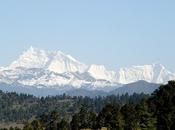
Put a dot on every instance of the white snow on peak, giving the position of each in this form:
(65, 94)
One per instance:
(100, 72)
(54, 61)
(32, 58)
(155, 73)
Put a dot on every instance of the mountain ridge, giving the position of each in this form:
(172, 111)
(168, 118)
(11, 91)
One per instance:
(44, 69)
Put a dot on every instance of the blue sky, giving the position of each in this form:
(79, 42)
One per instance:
(111, 32)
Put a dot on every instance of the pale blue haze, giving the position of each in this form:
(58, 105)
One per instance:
(115, 33)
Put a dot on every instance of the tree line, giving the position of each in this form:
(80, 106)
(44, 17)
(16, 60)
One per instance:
(22, 107)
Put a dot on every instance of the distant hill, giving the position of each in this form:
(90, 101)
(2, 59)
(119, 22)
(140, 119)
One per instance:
(136, 87)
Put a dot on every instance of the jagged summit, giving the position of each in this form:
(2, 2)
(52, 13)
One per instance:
(32, 58)
(155, 73)
(54, 61)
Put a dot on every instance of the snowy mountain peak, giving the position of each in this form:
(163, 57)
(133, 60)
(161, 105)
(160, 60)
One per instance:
(53, 61)
(32, 58)
(155, 73)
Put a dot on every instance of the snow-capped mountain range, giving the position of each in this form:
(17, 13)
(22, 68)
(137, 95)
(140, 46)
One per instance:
(43, 69)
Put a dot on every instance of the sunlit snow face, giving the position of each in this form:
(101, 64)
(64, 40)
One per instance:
(53, 61)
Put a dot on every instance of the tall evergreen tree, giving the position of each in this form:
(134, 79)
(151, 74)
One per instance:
(28, 126)
(110, 117)
(37, 125)
(75, 123)
(130, 116)
(63, 125)
(163, 104)
(146, 119)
